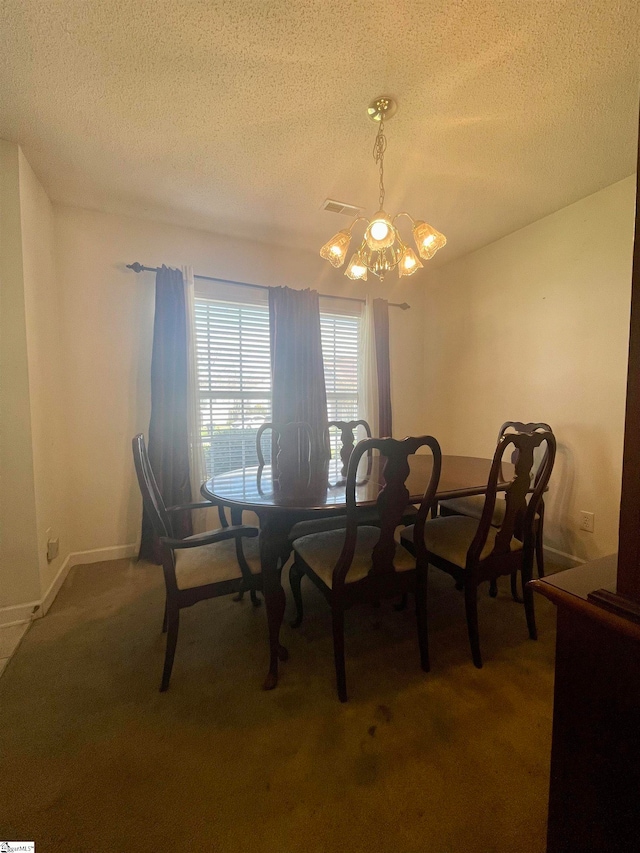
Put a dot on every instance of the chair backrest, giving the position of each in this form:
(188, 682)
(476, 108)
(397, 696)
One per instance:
(347, 439)
(519, 513)
(151, 497)
(519, 426)
(391, 503)
(292, 448)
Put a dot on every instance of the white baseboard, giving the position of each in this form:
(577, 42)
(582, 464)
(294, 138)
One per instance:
(18, 614)
(54, 588)
(100, 555)
(563, 559)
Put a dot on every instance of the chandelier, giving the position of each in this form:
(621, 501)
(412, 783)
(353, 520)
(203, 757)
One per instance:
(382, 248)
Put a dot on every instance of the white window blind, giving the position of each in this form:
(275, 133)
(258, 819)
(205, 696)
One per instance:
(340, 356)
(234, 377)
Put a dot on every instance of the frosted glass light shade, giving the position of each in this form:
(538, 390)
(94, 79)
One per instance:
(408, 263)
(356, 269)
(335, 251)
(380, 234)
(428, 240)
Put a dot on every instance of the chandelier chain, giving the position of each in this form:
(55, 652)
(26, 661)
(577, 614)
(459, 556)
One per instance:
(379, 147)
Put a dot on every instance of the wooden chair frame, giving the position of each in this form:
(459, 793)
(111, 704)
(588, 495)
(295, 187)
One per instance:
(284, 459)
(347, 439)
(518, 522)
(519, 426)
(383, 580)
(160, 517)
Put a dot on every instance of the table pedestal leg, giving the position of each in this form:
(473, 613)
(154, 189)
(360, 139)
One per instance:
(273, 546)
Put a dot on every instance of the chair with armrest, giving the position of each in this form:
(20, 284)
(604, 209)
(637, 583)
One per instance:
(363, 562)
(196, 567)
(472, 506)
(236, 519)
(473, 551)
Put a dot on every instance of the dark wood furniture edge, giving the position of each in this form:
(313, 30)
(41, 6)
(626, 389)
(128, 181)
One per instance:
(595, 605)
(624, 607)
(628, 581)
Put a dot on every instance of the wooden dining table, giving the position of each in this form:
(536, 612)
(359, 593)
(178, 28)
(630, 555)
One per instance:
(281, 505)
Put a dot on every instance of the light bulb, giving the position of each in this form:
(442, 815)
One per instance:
(356, 269)
(380, 234)
(335, 251)
(409, 263)
(379, 230)
(428, 240)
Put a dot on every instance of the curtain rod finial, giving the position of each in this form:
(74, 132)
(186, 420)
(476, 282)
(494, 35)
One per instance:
(404, 306)
(136, 267)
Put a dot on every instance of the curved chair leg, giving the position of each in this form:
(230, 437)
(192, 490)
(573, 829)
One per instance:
(471, 607)
(527, 594)
(295, 579)
(173, 622)
(540, 546)
(493, 588)
(337, 614)
(514, 588)
(421, 619)
(247, 577)
(164, 618)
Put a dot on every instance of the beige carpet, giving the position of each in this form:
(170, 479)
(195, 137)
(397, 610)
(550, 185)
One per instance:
(94, 758)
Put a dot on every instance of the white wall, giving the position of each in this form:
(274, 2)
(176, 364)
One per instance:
(535, 327)
(47, 395)
(25, 264)
(19, 568)
(108, 323)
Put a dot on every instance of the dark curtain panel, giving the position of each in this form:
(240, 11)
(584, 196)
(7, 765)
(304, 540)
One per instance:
(297, 370)
(381, 325)
(168, 433)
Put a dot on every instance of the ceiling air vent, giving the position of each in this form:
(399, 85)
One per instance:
(334, 206)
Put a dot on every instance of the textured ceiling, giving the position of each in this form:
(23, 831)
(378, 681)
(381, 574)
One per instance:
(242, 116)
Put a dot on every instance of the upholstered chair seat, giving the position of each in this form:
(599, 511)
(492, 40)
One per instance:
(450, 536)
(214, 563)
(320, 552)
(472, 506)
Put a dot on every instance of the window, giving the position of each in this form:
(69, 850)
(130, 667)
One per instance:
(234, 376)
(340, 356)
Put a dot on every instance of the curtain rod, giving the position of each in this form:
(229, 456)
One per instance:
(136, 267)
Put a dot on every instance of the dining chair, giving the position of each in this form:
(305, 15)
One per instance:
(347, 439)
(362, 562)
(196, 567)
(245, 568)
(473, 551)
(292, 448)
(472, 505)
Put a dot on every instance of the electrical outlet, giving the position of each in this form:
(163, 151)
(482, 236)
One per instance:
(586, 521)
(53, 545)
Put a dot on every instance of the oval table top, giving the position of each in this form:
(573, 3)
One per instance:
(253, 489)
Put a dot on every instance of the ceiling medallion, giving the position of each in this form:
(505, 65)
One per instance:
(382, 248)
